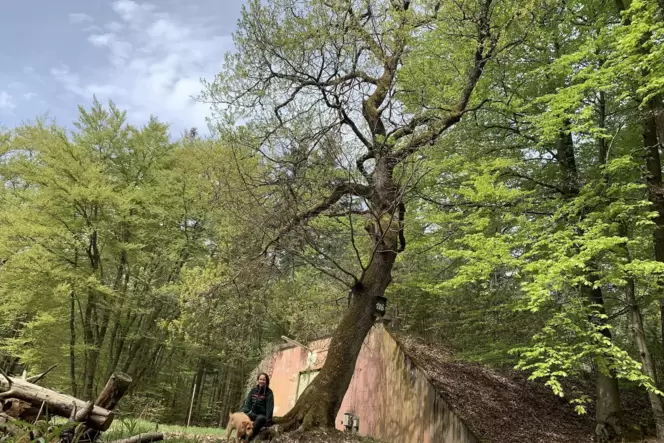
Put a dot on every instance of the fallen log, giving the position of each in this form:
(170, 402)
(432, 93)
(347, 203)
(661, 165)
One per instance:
(6, 418)
(6, 422)
(142, 438)
(82, 414)
(57, 403)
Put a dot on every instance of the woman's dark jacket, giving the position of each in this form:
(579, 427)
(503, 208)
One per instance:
(259, 402)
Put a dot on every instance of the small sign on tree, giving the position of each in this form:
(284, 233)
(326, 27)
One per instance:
(380, 307)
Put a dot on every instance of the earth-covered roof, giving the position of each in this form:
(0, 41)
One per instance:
(498, 408)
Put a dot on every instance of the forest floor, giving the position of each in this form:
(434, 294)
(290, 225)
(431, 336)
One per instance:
(323, 436)
(193, 434)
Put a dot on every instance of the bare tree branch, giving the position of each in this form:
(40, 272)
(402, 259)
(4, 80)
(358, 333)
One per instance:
(341, 190)
(312, 245)
(533, 180)
(36, 378)
(360, 164)
(319, 268)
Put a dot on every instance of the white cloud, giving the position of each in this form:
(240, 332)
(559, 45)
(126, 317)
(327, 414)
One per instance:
(114, 26)
(155, 63)
(69, 80)
(101, 39)
(133, 12)
(79, 17)
(6, 102)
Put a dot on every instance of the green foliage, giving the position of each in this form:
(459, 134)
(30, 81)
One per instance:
(121, 249)
(124, 251)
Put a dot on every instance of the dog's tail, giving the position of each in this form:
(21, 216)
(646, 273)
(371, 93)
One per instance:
(230, 412)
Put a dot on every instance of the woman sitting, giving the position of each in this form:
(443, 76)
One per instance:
(260, 404)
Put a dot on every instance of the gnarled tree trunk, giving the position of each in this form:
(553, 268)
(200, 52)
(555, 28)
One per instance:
(321, 400)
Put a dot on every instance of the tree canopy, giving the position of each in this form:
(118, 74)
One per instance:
(492, 167)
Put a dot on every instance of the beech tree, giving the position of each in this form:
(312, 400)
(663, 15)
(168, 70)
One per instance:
(105, 231)
(383, 80)
(551, 199)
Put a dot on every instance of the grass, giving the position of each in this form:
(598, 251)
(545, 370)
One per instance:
(122, 428)
(130, 426)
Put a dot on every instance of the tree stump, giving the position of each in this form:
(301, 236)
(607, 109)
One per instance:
(116, 387)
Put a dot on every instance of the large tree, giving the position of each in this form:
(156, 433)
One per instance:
(319, 82)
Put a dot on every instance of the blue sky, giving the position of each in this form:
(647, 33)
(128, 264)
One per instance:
(148, 57)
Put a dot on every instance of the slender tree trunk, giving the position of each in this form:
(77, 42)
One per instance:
(88, 341)
(94, 351)
(214, 397)
(653, 131)
(136, 345)
(192, 393)
(92, 361)
(145, 327)
(72, 344)
(115, 344)
(636, 320)
(123, 330)
(200, 389)
(114, 351)
(122, 286)
(608, 408)
(9, 364)
(94, 325)
(224, 403)
(176, 393)
(651, 145)
(149, 365)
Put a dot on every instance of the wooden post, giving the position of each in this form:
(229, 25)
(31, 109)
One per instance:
(191, 405)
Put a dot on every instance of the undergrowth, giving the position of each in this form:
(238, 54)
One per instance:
(43, 432)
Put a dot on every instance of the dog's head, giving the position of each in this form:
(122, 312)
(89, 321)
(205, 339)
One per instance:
(247, 427)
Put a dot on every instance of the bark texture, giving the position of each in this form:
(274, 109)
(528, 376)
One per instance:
(320, 402)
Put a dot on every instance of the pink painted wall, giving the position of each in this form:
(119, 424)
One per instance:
(393, 399)
(285, 368)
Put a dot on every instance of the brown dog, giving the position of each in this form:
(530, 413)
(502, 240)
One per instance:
(241, 424)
